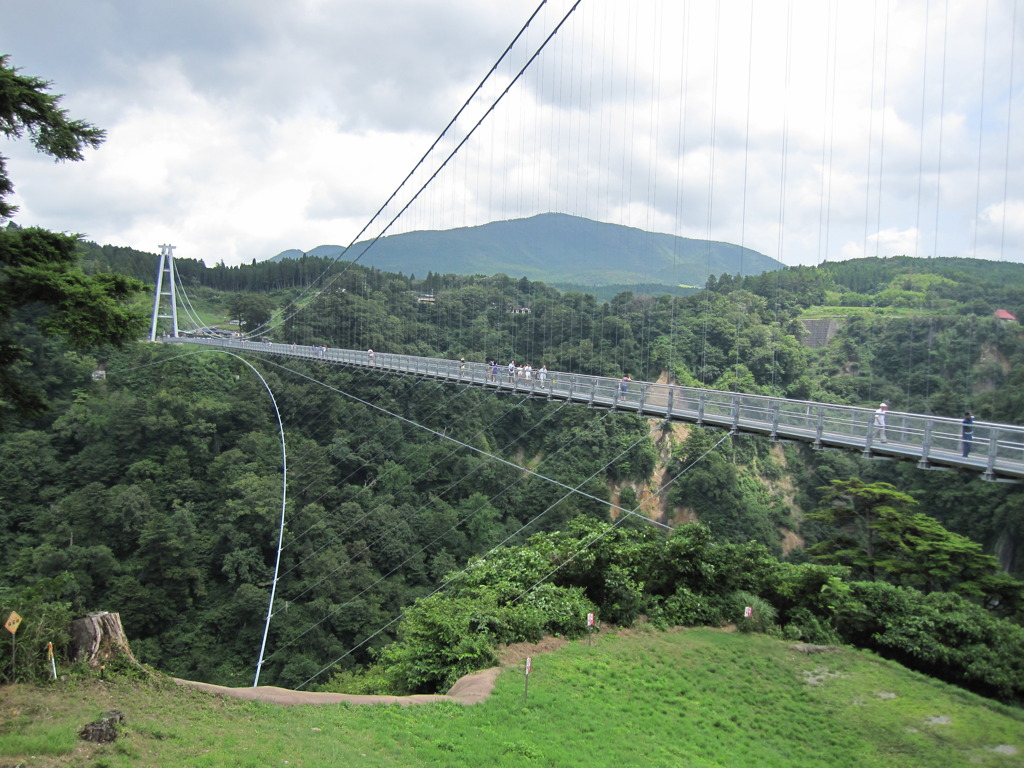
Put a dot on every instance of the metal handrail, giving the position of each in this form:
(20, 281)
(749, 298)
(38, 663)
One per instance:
(997, 450)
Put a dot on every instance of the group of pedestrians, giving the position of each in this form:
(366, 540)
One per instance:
(518, 372)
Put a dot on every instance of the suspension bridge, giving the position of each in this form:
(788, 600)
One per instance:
(646, 117)
(934, 442)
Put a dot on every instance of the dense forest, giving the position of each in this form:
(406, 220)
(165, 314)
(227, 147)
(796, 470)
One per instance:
(156, 490)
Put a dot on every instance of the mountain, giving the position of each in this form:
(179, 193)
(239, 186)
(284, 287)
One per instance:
(559, 249)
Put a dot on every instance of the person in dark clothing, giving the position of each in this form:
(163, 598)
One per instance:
(967, 433)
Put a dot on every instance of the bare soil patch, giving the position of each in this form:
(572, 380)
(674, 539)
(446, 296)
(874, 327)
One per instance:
(470, 689)
(511, 655)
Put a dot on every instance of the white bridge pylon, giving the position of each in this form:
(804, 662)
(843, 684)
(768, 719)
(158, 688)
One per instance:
(166, 267)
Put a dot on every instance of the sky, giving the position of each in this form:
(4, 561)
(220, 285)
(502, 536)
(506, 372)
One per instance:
(808, 130)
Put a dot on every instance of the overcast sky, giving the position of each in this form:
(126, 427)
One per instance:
(804, 129)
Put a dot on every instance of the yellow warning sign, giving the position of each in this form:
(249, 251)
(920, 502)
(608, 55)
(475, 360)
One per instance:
(13, 622)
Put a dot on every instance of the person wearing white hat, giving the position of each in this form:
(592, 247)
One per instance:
(880, 421)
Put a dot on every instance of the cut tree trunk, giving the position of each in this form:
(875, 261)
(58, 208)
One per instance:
(98, 639)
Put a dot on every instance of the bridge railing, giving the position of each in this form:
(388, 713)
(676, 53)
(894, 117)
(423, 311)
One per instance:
(996, 449)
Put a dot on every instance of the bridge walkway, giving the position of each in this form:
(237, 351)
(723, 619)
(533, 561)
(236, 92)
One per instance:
(934, 442)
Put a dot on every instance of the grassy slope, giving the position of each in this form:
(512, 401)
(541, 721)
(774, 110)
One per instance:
(687, 698)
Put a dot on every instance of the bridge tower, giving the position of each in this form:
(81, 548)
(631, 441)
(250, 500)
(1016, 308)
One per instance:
(166, 266)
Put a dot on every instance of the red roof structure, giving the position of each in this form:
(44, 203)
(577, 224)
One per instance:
(1002, 314)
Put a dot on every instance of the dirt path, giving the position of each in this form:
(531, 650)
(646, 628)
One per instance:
(470, 689)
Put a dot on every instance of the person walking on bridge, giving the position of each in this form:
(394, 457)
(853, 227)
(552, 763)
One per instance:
(624, 386)
(880, 421)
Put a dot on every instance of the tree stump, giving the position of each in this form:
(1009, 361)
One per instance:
(99, 638)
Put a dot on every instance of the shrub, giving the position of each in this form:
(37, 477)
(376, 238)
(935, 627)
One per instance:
(762, 613)
(808, 628)
(45, 619)
(685, 608)
(940, 634)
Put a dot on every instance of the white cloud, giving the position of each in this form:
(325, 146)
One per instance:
(239, 129)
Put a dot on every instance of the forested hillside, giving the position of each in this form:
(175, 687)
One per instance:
(557, 249)
(155, 492)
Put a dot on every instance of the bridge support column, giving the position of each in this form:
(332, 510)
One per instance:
(993, 449)
(926, 447)
(166, 266)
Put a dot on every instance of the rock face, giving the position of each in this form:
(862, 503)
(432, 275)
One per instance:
(98, 638)
(104, 730)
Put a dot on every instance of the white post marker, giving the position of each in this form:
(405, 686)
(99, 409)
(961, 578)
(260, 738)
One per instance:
(526, 677)
(590, 629)
(53, 664)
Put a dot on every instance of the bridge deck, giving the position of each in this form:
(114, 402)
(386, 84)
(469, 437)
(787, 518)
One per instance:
(997, 450)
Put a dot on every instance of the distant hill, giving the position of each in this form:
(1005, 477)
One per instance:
(558, 249)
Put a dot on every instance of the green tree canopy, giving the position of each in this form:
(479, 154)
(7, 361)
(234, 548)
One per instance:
(41, 284)
(880, 533)
(854, 507)
(42, 288)
(26, 107)
(251, 310)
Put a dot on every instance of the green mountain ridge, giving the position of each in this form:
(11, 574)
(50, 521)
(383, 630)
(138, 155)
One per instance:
(554, 248)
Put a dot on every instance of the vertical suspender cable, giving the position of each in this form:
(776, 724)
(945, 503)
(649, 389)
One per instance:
(881, 147)
(706, 309)
(871, 128)
(981, 133)
(942, 122)
(782, 189)
(1009, 122)
(920, 150)
(827, 122)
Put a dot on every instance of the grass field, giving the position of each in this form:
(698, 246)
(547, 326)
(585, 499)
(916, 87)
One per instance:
(697, 697)
(817, 312)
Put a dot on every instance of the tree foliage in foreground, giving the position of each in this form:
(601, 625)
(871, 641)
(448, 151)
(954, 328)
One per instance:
(43, 290)
(688, 578)
(41, 282)
(26, 107)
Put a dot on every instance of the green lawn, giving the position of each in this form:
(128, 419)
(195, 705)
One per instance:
(687, 698)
